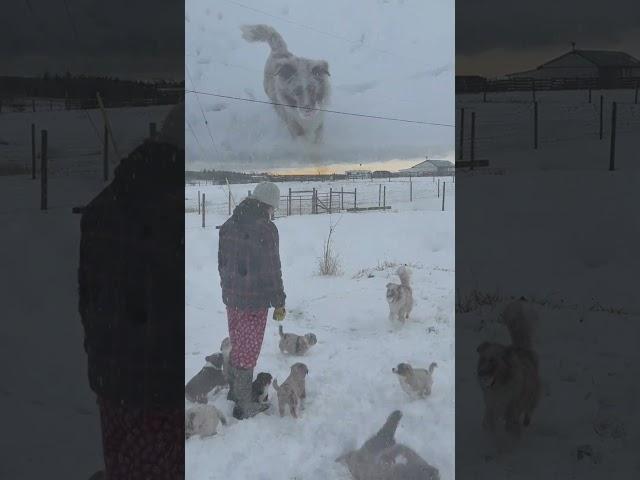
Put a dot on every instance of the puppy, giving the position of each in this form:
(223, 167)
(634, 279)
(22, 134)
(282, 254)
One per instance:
(202, 420)
(292, 391)
(225, 349)
(295, 344)
(260, 388)
(377, 458)
(416, 382)
(298, 87)
(208, 378)
(508, 374)
(400, 297)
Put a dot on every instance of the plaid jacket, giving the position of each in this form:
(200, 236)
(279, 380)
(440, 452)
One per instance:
(249, 259)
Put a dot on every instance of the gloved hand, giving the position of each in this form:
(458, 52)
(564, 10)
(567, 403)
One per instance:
(279, 314)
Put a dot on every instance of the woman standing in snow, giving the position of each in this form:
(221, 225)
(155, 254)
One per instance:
(131, 302)
(251, 281)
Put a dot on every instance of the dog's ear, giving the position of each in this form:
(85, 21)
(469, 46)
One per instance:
(482, 347)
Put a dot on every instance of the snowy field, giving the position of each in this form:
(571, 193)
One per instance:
(563, 231)
(390, 58)
(351, 388)
(51, 424)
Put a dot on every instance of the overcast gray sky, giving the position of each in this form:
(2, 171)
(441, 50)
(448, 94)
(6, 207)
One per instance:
(134, 39)
(495, 37)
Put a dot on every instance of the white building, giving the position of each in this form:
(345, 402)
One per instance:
(430, 167)
(358, 174)
(606, 66)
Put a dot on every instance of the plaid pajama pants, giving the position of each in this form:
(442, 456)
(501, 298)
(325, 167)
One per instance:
(141, 445)
(246, 332)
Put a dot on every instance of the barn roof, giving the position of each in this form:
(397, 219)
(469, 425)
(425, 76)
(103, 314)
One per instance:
(423, 164)
(603, 58)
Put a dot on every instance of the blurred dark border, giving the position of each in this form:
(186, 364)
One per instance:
(64, 64)
(547, 128)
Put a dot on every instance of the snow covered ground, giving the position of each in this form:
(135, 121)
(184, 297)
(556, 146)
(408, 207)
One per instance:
(561, 229)
(50, 418)
(351, 388)
(389, 58)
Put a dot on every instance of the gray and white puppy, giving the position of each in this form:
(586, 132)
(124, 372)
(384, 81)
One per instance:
(416, 382)
(295, 344)
(202, 420)
(292, 392)
(508, 374)
(208, 378)
(400, 296)
(297, 86)
(377, 459)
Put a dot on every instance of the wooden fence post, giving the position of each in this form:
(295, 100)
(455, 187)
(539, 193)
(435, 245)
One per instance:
(105, 154)
(33, 151)
(384, 196)
(43, 171)
(461, 155)
(342, 198)
(601, 114)
(379, 194)
(199, 202)
(203, 209)
(152, 130)
(444, 189)
(473, 138)
(612, 155)
(289, 203)
(438, 188)
(330, 198)
(410, 189)
(535, 125)
(355, 198)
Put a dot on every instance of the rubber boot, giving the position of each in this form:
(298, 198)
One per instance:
(245, 407)
(230, 375)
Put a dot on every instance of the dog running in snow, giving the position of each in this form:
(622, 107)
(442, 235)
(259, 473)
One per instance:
(508, 374)
(295, 344)
(400, 296)
(416, 382)
(260, 388)
(298, 87)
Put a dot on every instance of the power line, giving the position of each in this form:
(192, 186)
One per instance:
(377, 117)
(201, 110)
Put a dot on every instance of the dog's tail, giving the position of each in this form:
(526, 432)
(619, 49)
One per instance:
(265, 33)
(280, 331)
(520, 320)
(385, 436)
(405, 275)
(432, 367)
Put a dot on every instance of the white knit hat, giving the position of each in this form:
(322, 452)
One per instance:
(267, 192)
(172, 131)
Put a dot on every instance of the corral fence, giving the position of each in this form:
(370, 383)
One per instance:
(475, 84)
(9, 105)
(484, 127)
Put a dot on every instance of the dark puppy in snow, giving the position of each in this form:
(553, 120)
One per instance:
(260, 388)
(295, 344)
(208, 378)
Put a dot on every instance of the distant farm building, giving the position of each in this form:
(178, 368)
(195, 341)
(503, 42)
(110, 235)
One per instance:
(358, 174)
(607, 67)
(430, 167)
